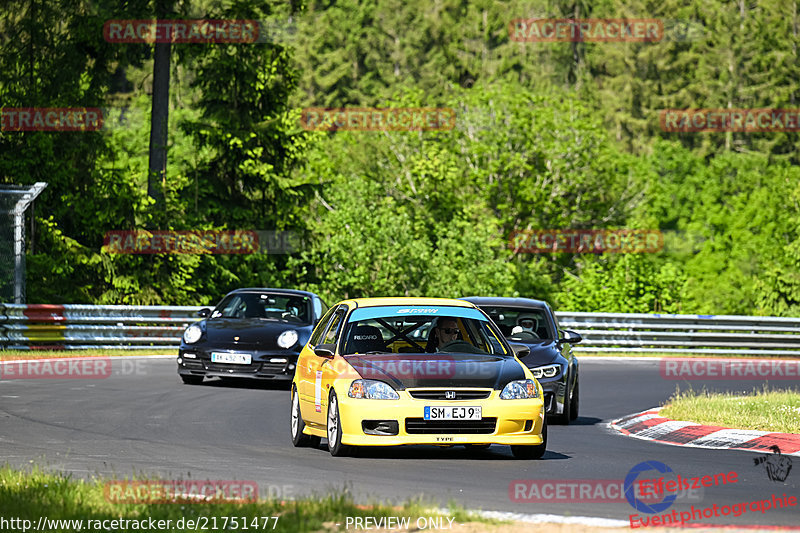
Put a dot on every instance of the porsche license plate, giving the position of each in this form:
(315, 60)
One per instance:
(231, 358)
(452, 413)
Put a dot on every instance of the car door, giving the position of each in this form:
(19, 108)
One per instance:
(316, 395)
(305, 381)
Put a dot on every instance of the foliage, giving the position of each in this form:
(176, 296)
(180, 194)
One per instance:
(548, 135)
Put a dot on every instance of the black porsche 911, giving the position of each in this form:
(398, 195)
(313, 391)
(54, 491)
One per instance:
(533, 323)
(251, 333)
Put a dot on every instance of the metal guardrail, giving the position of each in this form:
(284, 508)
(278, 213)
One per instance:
(68, 327)
(76, 327)
(713, 334)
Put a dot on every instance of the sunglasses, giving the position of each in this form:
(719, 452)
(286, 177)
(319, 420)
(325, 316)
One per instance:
(450, 331)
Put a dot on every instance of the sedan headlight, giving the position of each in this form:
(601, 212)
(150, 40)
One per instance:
(372, 390)
(546, 371)
(520, 390)
(287, 339)
(192, 334)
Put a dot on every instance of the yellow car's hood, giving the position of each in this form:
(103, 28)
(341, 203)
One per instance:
(454, 370)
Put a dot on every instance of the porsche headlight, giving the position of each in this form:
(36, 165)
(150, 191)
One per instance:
(192, 334)
(287, 339)
(520, 390)
(546, 371)
(372, 390)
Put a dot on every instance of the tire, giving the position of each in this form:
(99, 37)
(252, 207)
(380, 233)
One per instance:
(334, 429)
(575, 403)
(297, 425)
(566, 415)
(532, 452)
(191, 380)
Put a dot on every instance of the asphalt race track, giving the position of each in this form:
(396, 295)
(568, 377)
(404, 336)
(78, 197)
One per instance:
(143, 420)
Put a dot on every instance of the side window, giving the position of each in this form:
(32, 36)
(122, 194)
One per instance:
(323, 323)
(333, 330)
(318, 307)
(555, 319)
(234, 308)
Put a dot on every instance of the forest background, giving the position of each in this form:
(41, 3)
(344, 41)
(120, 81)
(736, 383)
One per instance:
(548, 135)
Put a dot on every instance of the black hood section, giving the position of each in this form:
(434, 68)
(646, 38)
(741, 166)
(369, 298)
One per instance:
(542, 352)
(453, 370)
(252, 332)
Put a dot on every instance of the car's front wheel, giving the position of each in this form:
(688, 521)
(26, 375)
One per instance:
(532, 452)
(298, 425)
(191, 380)
(566, 414)
(335, 445)
(575, 402)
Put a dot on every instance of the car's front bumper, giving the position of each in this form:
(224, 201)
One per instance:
(554, 396)
(518, 422)
(268, 365)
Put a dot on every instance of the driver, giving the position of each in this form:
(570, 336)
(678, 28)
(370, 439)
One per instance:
(445, 332)
(526, 323)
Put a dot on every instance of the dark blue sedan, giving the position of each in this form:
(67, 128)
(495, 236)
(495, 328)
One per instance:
(551, 359)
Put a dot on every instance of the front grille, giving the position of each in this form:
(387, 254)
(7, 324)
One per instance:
(440, 394)
(188, 363)
(420, 426)
(239, 369)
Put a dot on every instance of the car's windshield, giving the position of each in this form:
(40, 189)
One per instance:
(421, 329)
(521, 323)
(263, 305)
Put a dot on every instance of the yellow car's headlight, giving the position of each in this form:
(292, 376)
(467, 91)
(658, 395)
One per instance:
(372, 390)
(520, 390)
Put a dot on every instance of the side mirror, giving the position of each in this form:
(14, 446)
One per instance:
(204, 312)
(325, 350)
(571, 337)
(520, 350)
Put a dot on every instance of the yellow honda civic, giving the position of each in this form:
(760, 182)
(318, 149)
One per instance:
(394, 371)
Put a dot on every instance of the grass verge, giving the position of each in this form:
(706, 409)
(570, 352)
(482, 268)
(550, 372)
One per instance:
(764, 410)
(12, 355)
(34, 494)
(667, 355)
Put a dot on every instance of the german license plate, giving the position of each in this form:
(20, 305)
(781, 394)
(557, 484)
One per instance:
(451, 412)
(231, 358)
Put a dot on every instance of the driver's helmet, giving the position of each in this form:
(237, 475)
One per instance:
(527, 322)
(293, 308)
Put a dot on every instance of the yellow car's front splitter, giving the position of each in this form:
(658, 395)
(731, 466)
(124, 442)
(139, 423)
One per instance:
(518, 422)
